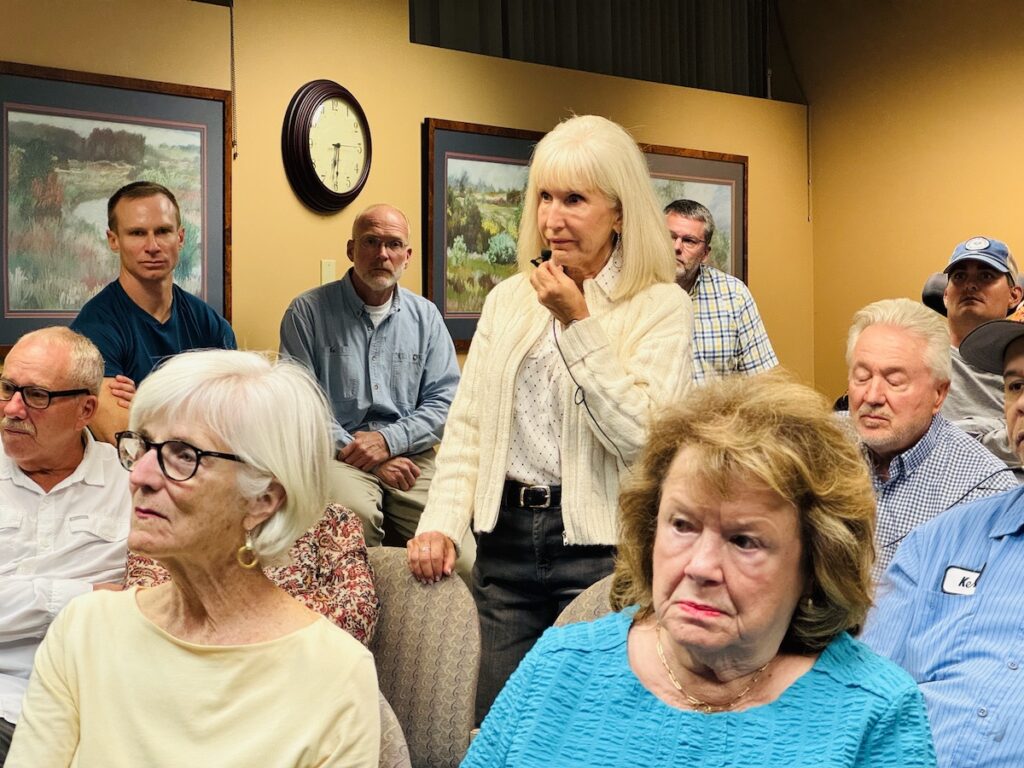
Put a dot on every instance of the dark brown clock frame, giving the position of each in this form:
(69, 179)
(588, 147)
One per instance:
(298, 164)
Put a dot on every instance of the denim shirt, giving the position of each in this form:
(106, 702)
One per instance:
(398, 379)
(949, 612)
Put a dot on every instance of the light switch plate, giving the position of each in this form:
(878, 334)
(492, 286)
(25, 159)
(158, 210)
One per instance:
(327, 267)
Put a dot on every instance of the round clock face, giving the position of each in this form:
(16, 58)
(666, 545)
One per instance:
(325, 146)
(337, 144)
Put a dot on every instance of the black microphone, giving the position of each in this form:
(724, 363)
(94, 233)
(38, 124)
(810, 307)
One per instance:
(545, 255)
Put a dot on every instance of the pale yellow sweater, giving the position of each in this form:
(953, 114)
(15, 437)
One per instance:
(631, 358)
(110, 688)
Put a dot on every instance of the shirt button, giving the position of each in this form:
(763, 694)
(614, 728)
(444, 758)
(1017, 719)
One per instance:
(1012, 664)
(376, 386)
(982, 712)
(374, 357)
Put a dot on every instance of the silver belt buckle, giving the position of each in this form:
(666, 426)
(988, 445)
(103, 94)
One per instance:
(547, 496)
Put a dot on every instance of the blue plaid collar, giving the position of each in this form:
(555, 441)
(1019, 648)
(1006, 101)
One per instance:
(905, 464)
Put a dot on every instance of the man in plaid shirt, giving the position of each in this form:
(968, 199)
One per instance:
(921, 465)
(728, 335)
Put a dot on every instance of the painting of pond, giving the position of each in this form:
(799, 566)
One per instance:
(61, 169)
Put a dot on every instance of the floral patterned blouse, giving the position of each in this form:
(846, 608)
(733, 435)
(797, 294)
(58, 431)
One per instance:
(330, 573)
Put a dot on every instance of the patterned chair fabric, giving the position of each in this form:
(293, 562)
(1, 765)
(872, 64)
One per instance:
(427, 649)
(592, 603)
(394, 752)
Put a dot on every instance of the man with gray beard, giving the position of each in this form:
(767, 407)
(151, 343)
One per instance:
(64, 501)
(898, 358)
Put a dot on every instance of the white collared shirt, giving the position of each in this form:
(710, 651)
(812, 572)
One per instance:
(53, 547)
(534, 454)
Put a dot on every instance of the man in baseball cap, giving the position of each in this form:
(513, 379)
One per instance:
(981, 286)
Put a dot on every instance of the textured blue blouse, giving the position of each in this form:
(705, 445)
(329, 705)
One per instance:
(574, 701)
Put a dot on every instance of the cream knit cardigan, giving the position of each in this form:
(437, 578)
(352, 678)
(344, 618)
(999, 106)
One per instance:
(631, 358)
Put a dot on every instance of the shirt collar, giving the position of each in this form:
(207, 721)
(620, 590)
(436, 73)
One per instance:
(906, 463)
(1010, 521)
(695, 288)
(88, 471)
(609, 275)
(355, 304)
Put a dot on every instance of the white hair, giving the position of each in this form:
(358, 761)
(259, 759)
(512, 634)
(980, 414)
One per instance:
(273, 415)
(85, 363)
(592, 152)
(914, 318)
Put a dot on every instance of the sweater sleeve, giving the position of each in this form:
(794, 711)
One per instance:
(449, 507)
(358, 721)
(48, 730)
(901, 737)
(654, 367)
(491, 747)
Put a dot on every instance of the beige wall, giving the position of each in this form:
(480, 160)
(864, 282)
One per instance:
(364, 45)
(916, 116)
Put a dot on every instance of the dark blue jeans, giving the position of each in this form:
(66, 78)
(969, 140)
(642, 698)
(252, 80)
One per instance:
(523, 577)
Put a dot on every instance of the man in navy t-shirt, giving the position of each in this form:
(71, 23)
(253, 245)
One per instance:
(143, 317)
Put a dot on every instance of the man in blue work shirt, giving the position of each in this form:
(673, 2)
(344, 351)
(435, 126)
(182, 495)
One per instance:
(387, 363)
(949, 607)
(143, 317)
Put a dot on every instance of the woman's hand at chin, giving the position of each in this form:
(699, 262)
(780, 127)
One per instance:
(559, 293)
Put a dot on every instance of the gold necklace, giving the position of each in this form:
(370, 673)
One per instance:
(703, 706)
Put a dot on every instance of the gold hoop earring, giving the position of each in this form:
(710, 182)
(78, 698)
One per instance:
(246, 554)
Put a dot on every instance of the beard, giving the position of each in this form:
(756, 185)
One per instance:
(891, 439)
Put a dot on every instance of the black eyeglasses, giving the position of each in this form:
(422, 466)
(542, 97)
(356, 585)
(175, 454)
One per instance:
(35, 397)
(178, 460)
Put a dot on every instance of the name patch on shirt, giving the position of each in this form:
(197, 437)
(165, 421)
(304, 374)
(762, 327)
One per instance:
(960, 581)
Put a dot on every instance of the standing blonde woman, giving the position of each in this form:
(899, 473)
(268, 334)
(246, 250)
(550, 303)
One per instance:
(570, 361)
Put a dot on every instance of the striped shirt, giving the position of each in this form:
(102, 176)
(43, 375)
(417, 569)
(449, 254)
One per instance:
(949, 612)
(944, 468)
(728, 335)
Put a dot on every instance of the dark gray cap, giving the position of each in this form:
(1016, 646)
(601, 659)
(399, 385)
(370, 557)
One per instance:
(985, 346)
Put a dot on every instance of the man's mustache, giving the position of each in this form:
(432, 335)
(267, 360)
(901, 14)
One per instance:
(17, 425)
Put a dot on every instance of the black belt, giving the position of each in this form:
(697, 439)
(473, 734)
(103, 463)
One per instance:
(531, 496)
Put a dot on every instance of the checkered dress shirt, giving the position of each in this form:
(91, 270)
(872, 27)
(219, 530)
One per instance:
(728, 335)
(944, 468)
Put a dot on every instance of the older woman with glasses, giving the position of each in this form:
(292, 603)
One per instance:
(218, 666)
(571, 359)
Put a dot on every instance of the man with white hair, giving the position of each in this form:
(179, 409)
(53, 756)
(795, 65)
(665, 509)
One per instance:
(898, 357)
(949, 608)
(64, 501)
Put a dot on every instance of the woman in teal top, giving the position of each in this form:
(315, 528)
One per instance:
(745, 556)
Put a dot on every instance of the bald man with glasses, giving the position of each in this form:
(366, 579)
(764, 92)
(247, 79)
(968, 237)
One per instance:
(728, 335)
(64, 500)
(387, 363)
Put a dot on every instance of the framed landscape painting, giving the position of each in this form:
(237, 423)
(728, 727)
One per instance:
(716, 180)
(70, 140)
(475, 179)
(476, 176)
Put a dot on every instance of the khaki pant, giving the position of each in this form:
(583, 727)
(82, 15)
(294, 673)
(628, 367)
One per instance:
(389, 515)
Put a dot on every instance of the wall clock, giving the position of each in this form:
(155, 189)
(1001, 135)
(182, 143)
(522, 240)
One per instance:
(325, 144)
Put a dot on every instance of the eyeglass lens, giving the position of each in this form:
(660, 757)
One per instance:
(177, 460)
(34, 397)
